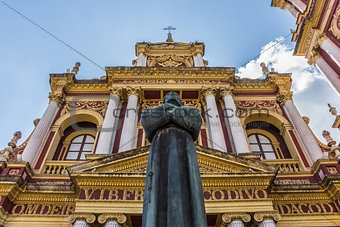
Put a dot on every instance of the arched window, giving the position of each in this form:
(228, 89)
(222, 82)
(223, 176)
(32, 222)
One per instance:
(79, 147)
(262, 144)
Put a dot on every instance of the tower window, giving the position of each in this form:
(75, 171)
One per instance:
(260, 143)
(79, 147)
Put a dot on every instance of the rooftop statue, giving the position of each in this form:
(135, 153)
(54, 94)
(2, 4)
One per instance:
(173, 190)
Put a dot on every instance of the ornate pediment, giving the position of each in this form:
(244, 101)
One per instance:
(211, 162)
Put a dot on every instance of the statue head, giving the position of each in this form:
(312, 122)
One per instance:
(173, 98)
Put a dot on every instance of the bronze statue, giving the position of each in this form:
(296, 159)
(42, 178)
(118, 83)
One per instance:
(173, 194)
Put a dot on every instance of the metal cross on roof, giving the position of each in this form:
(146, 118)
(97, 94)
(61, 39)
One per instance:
(169, 28)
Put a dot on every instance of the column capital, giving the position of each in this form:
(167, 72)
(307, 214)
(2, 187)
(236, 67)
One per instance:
(59, 98)
(133, 91)
(228, 217)
(259, 216)
(209, 91)
(283, 97)
(117, 91)
(88, 217)
(120, 218)
(224, 91)
(320, 39)
(314, 56)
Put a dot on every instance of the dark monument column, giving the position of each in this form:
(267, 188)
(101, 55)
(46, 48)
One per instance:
(173, 194)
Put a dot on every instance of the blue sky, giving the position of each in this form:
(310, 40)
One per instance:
(106, 31)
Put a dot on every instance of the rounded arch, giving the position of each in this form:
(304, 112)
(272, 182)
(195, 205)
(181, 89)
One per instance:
(267, 116)
(79, 116)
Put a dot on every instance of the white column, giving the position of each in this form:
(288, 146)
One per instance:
(312, 148)
(267, 223)
(112, 224)
(80, 223)
(292, 11)
(235, 223)
(128, 137)
(107, 132)
(236, 128)
(40, 133)
(329, 73)
(198, 60)
(217, 140)
(299, 4)
(141, 60)
(332, 50)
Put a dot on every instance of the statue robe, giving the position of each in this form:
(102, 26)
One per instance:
(173, 194)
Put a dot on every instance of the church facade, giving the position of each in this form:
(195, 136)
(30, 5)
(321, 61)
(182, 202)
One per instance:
(85, 162)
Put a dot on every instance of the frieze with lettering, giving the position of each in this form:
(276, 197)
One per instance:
(137, 195)
(42, 209)
(306, 208)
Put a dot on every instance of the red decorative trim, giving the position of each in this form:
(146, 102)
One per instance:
(80, 94)
(302, 154)
(119, 128)
(224, 128)
(330, 61)
(44, 151)
(328, 25)
(204, 137)
(140, 137)
(254, 94)
(6, 204)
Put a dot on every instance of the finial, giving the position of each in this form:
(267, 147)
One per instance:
(169, 39)
(334, 152)
(264, 68)
(5, 153)
(76, 68)
(169, 29)
(332, 110)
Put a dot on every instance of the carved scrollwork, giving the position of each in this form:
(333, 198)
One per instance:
(120, 218)
(98, 106)
(89, 218)
(228, 217)
(268, 214)
(244, 106)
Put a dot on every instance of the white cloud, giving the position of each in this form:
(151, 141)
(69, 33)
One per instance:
(280, 57)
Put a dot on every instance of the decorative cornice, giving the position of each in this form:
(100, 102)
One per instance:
(88, 217)
(120, 218)
(228, 217)
(259, 216)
